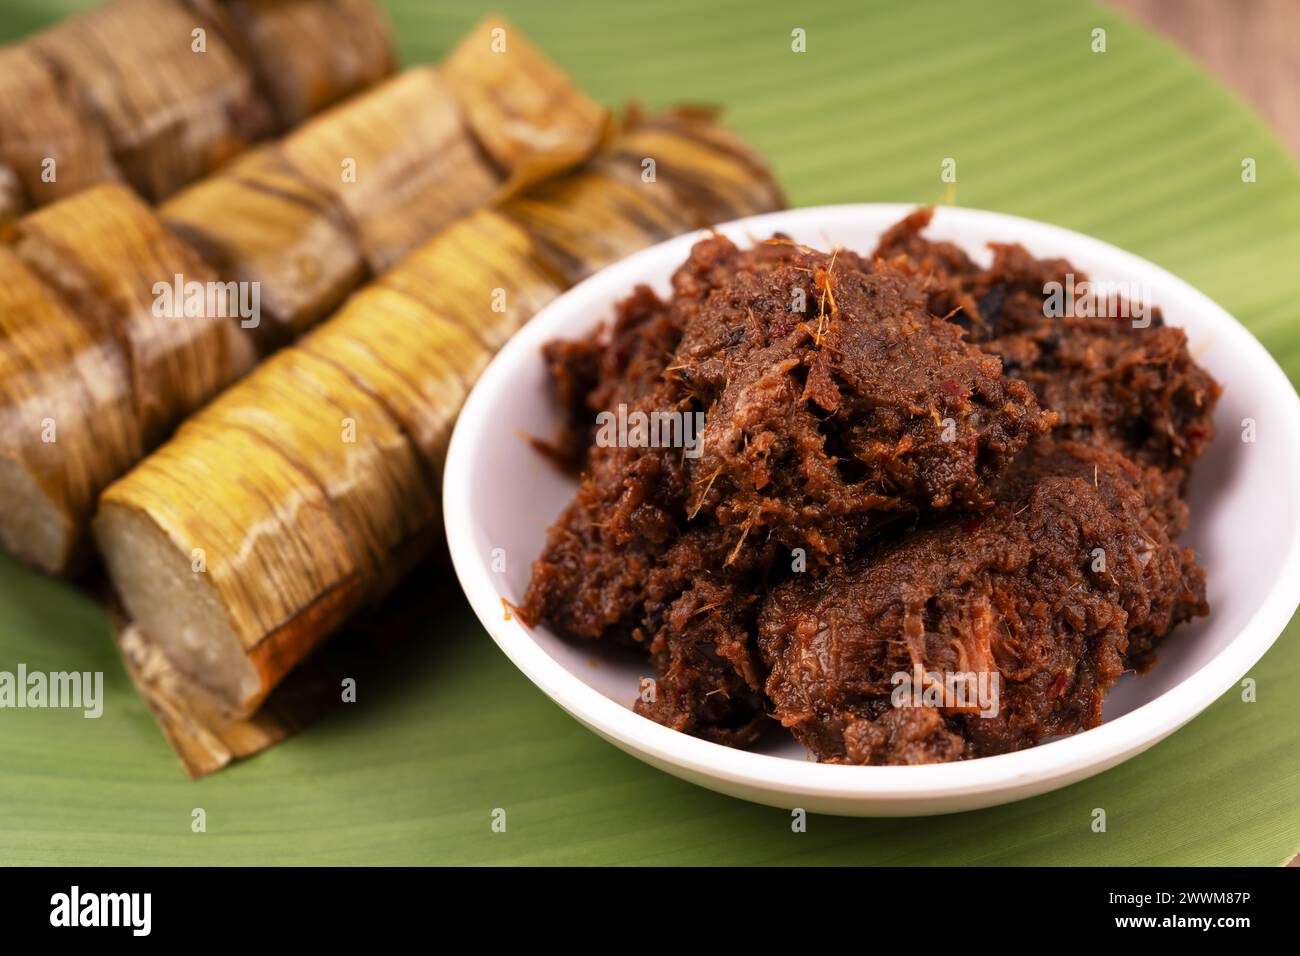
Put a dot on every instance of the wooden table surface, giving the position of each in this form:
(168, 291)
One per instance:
(1252, 45)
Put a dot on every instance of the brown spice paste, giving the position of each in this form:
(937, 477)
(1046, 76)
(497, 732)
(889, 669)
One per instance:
(906, 466)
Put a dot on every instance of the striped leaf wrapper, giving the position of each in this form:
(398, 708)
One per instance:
(281, 221)
(401, 164)
(260, 221)
(95, 375)
(44, 121)
(527, 115)
(136, 59)
(158, 93)
(65, 395)
(306, 54)
(106, 253)
(311, 488)
(355, 189)
(663, 176)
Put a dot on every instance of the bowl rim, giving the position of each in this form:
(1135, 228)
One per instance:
(1058, 762)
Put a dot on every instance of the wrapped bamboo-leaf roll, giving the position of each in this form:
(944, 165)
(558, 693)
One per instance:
(482, 273)
(580, 223)
(417, 338)
(113, 363)
(316, 415)
(529, 117)
(367, 507)
(399, 159)
(425, 386)
(261, 219)
(659, 177)
(319, 463)
(54, 146)
(182, 557)
(68, 416)
(268, 597)
(332, 493)
(428, 146)
(171, 88)
(273, 223)
(412, 155)
(715, 175)
(258, 221)
(307, 54)
(173, 97)
(121, 271)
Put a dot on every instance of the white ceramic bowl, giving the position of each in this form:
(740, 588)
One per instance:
(500, 494)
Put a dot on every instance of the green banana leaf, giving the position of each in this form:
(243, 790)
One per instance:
(1136, 145)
